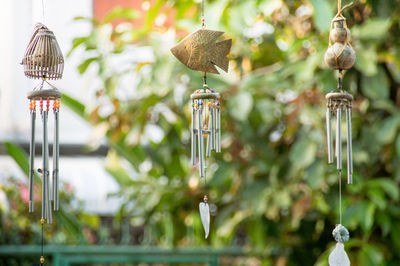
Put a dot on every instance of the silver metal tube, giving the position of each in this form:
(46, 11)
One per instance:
(339, 139)
(212, 128)
(329, 135)
(56, 155)
(209, 142)
(193, 136)
(201, 141)
(218, 129)
(44, 187)
(349, 148)
(46, 175)
(32, 162)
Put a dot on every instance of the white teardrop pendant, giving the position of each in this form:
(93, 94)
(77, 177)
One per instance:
(205, 215)
(339, 257)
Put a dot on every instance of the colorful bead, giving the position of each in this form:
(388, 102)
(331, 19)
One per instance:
(41, 259)
(42, 221)
(205, 198)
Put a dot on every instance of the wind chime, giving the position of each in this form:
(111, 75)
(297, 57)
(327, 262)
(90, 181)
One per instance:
(200, 51)
(43, 60)
(339, 56)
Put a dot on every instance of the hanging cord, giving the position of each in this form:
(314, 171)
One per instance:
(203, 19)
(42, 221)
(43, 11)
(339, 15)
(340, 196)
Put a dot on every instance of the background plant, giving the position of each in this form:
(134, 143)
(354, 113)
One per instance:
(272, 187)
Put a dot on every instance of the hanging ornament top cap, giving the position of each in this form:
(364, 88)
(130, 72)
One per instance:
(43, 58)
(200, 51)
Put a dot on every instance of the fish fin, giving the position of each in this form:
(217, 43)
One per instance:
(223, 49)
(207, 36)
(211, 68)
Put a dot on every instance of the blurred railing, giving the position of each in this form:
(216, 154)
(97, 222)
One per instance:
(69, 255)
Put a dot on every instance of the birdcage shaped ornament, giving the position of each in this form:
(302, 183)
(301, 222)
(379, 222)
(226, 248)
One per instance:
(43, 60)
(200, 51)
(339, 56)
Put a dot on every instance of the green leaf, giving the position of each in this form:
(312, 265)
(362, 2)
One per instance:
(376, 87)
(73, 104)
(303, 153)
(122, 13)
(77, 42)
(367, 61)
(388, 130)
(370, 256)
(389, 186)
(322, 14)
(19, 156)
(241, 105)
(85, 64)
(375, 28)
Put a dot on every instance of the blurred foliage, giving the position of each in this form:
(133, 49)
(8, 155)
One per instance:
(18, 226)
(271, 187)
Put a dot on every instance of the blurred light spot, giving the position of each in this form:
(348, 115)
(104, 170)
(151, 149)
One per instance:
(258, 30)
(163, 180)
(146, 5)
(160, 20)
(282, 45)
(286, 96)
(306, 44)
(275, 136)
(303, 11)
(154, 133)
(193, 182)
(145, 166)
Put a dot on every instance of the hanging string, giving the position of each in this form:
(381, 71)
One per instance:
(42, 244)
(203, 19)
(340, 196)
(43, 11)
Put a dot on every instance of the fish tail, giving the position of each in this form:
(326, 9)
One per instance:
(223, 49)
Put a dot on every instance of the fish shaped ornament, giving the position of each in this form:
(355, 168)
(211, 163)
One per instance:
(43, 60)
(201, 51)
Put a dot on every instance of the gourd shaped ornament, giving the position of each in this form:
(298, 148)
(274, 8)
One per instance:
(43, 60)
(339, 56)
(201, 51)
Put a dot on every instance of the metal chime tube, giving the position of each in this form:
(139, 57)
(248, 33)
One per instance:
(56, 153)
(339, 139)
(194, 134)
(201, 140)
(329, 135)
(32, 158)
(46, 179)
(349, 147)
(218, 124)
(44, 202)
(212, 128)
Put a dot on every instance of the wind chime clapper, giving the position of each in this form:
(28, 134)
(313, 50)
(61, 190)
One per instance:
(43, 60)
(206, 123)
(339, 56)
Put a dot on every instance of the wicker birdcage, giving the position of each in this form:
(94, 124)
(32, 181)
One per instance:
(43, 58)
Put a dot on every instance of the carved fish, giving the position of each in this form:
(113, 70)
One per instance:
(200, 51)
